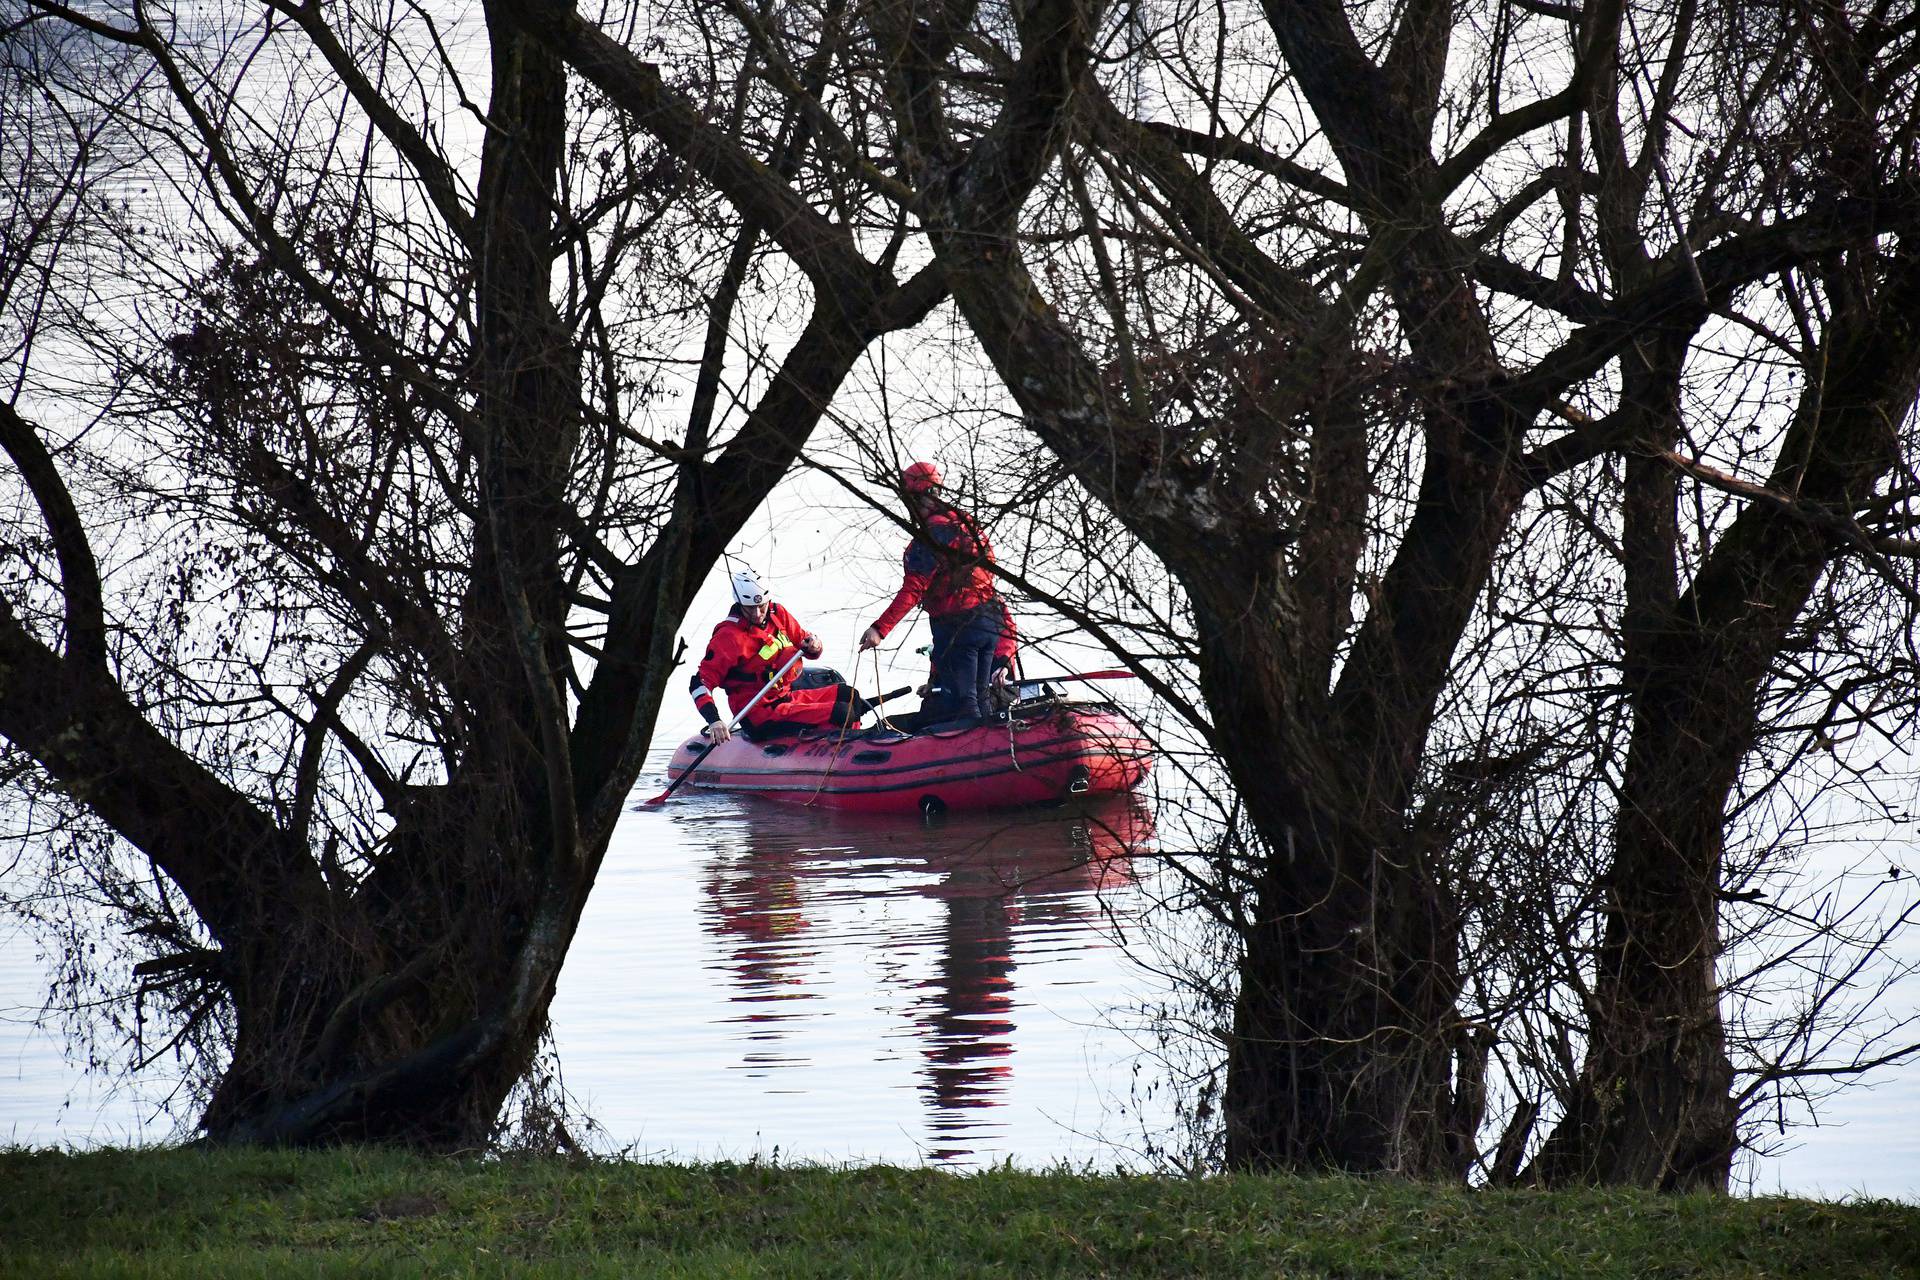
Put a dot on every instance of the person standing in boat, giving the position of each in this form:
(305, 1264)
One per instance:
(1005, 651)
(947, 573)
(749, 645)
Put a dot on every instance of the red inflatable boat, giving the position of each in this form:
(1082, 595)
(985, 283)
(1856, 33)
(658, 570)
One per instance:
(1047, 750)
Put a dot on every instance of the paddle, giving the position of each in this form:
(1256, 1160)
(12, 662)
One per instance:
(732, 724)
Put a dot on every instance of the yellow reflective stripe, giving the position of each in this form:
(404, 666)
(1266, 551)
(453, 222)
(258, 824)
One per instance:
(775, 645)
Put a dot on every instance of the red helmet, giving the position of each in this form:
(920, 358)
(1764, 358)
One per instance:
(921, 477)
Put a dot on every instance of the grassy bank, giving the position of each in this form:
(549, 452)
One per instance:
(192, 1214)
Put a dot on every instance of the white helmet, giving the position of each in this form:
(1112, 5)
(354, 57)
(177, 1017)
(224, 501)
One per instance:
(747, 589)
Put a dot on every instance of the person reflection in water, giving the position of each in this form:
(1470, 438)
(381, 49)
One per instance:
(1000, 879)
(756, 904)
(968, 1019)
(1023, 879)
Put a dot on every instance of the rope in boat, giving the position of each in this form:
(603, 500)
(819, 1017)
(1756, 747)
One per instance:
(846, 727)
(880, 713)
(880, 707)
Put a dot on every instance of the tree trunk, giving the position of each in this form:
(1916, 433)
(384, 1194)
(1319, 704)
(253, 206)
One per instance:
(409, 1013)
(1345, 1020)
(1341, 1050)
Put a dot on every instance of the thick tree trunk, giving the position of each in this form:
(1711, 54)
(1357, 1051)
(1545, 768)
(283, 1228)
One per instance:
(1341, 1053)
(1346, 1025)
(1654, 1107)
(408, 1012)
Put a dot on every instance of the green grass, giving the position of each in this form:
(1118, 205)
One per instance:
(365, 1213)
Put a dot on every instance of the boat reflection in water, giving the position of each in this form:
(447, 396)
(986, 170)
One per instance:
(944, 914)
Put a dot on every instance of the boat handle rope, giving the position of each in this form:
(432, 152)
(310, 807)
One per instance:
(1013, 753)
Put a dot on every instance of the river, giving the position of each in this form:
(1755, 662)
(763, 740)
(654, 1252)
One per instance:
(758, 981)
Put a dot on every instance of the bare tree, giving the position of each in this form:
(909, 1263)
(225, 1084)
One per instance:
(1707, 619)
(1343, 1044)
(399, 550)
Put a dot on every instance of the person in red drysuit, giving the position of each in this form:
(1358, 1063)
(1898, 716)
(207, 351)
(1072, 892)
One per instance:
(748, 646)
(947, 574)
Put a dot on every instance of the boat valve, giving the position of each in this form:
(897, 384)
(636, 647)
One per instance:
(1077, 782)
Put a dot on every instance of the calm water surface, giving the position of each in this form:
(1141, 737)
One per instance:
(755, 979)
(759, 979)
(752, 975)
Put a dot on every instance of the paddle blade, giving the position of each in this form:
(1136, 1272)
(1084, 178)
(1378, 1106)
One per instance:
(675, 784)
(684, 775)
